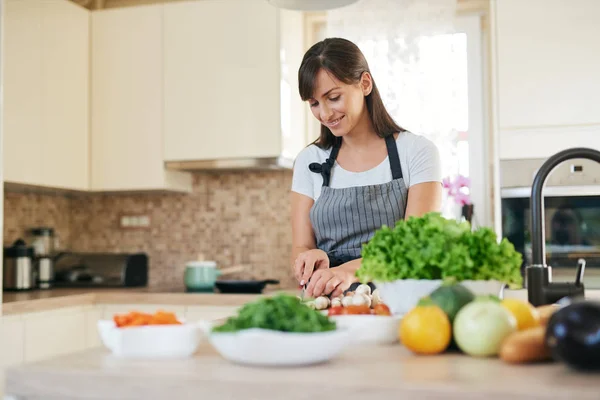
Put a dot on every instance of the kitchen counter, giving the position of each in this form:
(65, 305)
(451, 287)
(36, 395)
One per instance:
(44, 300)
(377, 372)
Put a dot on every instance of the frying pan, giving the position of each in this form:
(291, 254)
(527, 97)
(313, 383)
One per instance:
(243, 286)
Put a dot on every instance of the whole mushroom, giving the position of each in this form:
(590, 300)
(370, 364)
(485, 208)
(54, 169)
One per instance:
(376, 298)
(321, 302)
(360, 299)
(347, 300)
(363, 289)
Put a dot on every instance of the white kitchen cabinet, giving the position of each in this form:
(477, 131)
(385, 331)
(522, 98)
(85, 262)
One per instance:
(22, 98)
(12, 336)
(11, 344)
(548, 86)
(127, 102)
(46, 98)
(52, 333)
(229, 80)
(40, 335)
(65, 95)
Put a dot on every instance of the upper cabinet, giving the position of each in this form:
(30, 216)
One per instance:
(548, 87)
(230, 87)
(119, 99)
(127, 102)
(65, 94)
(46, 100)
(22, 99)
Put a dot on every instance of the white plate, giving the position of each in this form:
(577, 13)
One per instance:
(151, 341)
(371, 329)
(270, 348)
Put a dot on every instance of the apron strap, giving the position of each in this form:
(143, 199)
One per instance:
(392, 149)
(325, 168)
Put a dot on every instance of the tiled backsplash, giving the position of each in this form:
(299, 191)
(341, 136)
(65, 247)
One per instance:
(233, 218)
(23, 211)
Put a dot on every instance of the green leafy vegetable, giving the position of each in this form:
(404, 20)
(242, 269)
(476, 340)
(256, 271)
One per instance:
(281, 312)
(433, 247)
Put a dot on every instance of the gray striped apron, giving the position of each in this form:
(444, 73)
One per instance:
(346, 218)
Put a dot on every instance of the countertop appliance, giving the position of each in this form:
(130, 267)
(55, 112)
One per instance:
(78, 269)
(44, 241)
(45, 245)
(19, 270)
(540, 287)
(571, 204)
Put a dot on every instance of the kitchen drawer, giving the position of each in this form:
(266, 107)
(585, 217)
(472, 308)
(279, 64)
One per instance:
(52, 333)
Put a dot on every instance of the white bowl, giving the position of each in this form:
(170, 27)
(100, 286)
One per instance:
(404, 294)
(268, 348)
(370, 329)
(151, 341)
(485, 287)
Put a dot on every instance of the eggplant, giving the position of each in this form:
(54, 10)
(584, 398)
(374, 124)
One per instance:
(573, 335)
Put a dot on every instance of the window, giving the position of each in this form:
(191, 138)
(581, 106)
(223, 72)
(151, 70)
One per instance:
(439, 94)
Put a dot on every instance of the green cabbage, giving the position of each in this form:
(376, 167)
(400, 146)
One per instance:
(433, 247)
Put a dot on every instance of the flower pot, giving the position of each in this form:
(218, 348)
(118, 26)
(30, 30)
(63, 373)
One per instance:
(402, 295)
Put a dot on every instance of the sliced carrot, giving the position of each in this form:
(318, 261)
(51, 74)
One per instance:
(164, 318)
(136, 318)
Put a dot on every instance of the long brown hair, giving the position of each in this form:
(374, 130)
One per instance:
(346, 62)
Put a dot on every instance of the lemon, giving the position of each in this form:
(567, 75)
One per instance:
(527, 315)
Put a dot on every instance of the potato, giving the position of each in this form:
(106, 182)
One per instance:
(546, 312)
(525, 346)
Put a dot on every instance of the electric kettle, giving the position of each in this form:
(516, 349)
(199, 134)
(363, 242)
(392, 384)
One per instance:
(19, 271)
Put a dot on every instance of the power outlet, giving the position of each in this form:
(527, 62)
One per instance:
(134, 221)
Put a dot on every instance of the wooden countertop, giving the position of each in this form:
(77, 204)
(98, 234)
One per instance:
(377, 372)
(43, 300)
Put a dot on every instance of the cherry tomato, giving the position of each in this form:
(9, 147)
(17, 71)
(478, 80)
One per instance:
(381, 309)
(356, 310)
(335, 311)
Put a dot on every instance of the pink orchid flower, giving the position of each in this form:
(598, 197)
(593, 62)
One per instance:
(454, 189)
(462, 198)
(462, 181)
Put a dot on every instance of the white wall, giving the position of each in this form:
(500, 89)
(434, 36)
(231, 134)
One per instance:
(1, 141)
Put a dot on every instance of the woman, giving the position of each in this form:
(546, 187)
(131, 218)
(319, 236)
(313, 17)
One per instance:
(363, 171)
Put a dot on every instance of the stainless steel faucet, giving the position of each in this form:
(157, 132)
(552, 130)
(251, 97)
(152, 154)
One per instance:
(540, 288)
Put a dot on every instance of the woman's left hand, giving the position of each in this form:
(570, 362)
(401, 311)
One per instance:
(330, 281)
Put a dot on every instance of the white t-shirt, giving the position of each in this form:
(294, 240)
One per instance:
(419, 160)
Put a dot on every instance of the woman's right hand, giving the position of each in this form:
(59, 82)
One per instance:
(307, 262)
